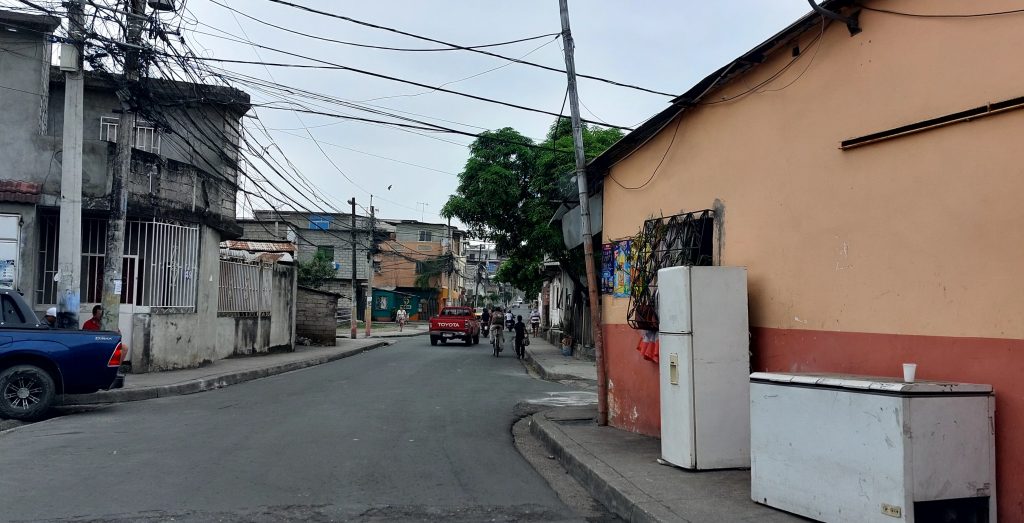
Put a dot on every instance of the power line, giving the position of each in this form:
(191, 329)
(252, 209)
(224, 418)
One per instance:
(923, 15)
(368, 46)
(336, 66)
(464, 48)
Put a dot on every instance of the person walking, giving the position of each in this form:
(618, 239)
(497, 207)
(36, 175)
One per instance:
(401, 316)
(520, 329)
(51, 317)
(535, 322)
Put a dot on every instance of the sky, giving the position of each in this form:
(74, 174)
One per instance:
(659, 44)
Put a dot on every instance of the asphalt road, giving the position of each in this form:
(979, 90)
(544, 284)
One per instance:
(408, 433)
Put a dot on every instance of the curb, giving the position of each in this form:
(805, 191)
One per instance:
(532, 363)
(211, 383)
(605, 484)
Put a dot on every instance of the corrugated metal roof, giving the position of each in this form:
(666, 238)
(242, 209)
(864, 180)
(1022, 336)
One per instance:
(257, 246)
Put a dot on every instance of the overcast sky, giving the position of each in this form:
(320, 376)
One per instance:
(663, 45)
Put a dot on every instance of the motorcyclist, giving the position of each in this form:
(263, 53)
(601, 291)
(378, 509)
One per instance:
(485, 321)
(510, 319)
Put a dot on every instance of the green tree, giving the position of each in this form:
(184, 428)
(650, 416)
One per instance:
(509, 190)
(316, 271)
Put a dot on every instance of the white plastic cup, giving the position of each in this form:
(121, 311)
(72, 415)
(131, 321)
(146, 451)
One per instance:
(909, 370)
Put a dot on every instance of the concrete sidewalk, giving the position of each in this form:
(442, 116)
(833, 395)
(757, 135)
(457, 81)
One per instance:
(223, 373)
(387, 330)
(621, 469)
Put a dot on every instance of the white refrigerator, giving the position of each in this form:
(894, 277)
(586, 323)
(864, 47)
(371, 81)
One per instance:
(704, 367)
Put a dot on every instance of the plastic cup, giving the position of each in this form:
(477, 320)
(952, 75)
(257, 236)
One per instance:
(909, 370)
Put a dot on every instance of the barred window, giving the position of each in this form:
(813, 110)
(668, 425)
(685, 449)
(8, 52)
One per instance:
(159, 267)
(145, 137)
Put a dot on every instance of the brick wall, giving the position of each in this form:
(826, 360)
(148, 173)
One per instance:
(314, 317)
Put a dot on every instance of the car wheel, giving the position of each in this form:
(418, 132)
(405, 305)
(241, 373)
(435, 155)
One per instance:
(468, 340)
(476, 340)
(26, 392)
(433, 340)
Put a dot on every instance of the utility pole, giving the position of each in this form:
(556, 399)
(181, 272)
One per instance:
(69, 260)
(368, 312)
(450, 263)
(355, 295)
(588, 242)
(114, 255)
(479, 264)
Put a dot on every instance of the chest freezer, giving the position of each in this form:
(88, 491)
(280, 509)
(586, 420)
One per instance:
(867, 449)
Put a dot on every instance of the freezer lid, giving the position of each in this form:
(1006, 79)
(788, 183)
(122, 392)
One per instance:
(887, 384)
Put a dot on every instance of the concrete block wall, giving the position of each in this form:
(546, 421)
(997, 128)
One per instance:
(315, 315)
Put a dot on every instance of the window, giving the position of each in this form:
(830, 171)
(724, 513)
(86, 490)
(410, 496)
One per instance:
(421, 268)
(425, 236)
(146, 136)
(326, 251)
(11, 313)
(159, 267)
(319, 223)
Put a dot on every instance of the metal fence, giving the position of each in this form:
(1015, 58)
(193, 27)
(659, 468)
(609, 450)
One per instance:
(159, 267)
(244, 287)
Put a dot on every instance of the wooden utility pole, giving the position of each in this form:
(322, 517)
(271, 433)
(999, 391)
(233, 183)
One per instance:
(588, 242)
(114, 255)
(368, 311)
(355, 294)
(69, 258)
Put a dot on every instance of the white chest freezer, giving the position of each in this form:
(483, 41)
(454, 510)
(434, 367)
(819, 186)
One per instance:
(867, 449)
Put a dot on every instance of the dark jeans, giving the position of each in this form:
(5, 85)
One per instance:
(520, 348)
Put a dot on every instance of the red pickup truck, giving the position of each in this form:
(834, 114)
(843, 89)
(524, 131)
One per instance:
(455, 323)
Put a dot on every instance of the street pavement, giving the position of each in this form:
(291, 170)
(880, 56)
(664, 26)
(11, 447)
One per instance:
(407, 432)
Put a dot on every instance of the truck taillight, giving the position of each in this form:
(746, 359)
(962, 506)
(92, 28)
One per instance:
(115, 358)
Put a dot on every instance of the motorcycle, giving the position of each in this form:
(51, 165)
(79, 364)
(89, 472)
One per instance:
(485, 330)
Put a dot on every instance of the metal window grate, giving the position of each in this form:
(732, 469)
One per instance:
(244, 287)
(159, 268)
(146, 136)
(672, 241)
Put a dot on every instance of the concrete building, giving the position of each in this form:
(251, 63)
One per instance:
(328, 233)
(424, 259)
(870, 184)
(181, 194)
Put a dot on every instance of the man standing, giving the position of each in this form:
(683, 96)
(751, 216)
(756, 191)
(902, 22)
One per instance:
(93, 324)
(402, 317)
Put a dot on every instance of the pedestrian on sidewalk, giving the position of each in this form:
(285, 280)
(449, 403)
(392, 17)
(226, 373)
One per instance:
(93, 324)
(401, 316)
(520, 329)
(535, 322)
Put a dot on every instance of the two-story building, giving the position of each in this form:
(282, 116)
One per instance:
(180, 194)
(329, 234)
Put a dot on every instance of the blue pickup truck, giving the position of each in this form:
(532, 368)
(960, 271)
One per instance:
(39, 364)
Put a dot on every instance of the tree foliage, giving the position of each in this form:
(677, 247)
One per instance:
(316, 271)
(511, 187)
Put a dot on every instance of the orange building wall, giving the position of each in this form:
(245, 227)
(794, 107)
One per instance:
(905, 250)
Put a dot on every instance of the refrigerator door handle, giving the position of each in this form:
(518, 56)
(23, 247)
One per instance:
(673, 369)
